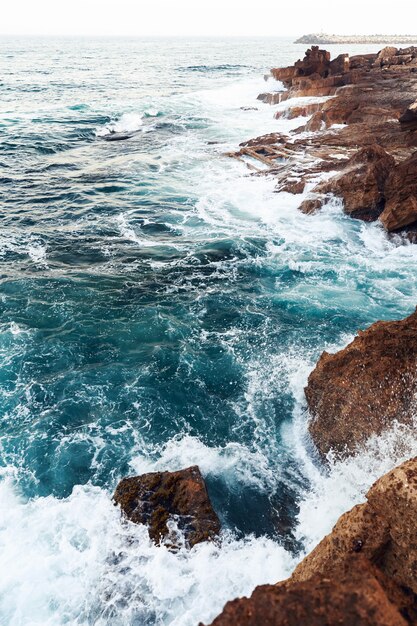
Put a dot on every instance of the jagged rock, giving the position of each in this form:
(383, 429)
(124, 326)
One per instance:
(357, 594)
(153, 499)
(299, 111)
(315, 123)
(312, 203)
(363, 573)
(401, 196)
(361, 390)
(383, 530)
(362, 182)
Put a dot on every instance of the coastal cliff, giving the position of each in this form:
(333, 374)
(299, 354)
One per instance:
(360, 141)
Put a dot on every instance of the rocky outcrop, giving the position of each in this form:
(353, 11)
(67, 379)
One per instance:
(408, 119)
(364, 573)
(383, 530)
(156, 498)
(360, 596)
(400, 191)
(361, 390)
(361, 184)
(372, 103)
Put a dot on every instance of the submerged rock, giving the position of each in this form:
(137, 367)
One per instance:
(364, 573)
(156, 498)
(361, 390)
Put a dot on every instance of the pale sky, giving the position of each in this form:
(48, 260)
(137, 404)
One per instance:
(213, 17)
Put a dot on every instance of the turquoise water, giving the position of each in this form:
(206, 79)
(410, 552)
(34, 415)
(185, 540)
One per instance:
(160, 307)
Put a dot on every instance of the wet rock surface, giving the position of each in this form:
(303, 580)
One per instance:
(367, 126)
(363, 573)
(361, 390)
(356, 595)
(157, 498)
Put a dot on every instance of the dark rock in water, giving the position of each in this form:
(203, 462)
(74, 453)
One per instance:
(249, 108)
(117, 136)
(366, 387)
(153, 499)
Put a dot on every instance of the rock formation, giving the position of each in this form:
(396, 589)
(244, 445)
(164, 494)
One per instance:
(156, 498)
(372, 99)
(364, 573)
(362, 389)
(383, 530)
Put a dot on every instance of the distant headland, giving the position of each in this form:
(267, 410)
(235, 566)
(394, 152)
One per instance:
(324, 38)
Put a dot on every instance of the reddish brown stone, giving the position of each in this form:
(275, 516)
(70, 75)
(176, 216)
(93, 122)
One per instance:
(401, 196)
(356, 595)
(383, 530)
(361, 183)
(362, 389)
(363, 573)
(153, 499)
(408, 119)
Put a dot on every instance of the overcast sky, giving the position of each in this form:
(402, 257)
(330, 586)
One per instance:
(214, 17)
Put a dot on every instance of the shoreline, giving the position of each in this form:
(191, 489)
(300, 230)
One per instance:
(359, 144)
(359, 572)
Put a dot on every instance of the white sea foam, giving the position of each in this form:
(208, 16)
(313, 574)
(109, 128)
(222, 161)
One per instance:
(73, 561)
(127, 123)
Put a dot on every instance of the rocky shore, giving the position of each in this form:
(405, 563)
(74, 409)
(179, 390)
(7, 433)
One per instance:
(358, 142)
(325, 38)
(364, 573)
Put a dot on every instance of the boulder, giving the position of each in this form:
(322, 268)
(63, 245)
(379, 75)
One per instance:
(363, 573)
(156, 498)
(361, 390)
(401, 196)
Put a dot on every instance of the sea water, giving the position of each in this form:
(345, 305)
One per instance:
(161, 307)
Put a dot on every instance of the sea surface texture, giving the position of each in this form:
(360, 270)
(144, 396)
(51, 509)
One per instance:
(161, 307)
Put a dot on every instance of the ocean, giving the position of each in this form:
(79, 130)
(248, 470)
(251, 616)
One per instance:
(162, 307)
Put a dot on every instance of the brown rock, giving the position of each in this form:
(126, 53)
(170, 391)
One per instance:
(394, 499)
(312, 204)
(315, 123)
(401, 196)
(408, 119)
(361, 390)
(362, 183)
(383, 530)
(363, 573)
(154, 498)
(359, 531)
(359, 595)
